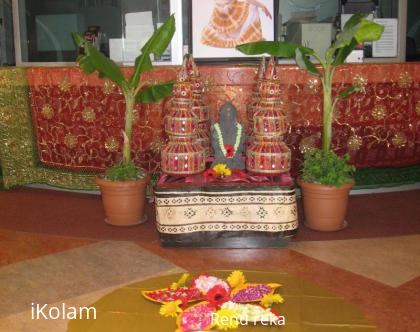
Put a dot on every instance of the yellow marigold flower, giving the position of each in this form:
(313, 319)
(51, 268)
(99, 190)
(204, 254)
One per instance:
(236, 279)
(226, 319)
(222, 169)
(170, 309)
(269, 299)
(181, 282)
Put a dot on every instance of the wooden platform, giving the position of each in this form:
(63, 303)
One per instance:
(226, 214)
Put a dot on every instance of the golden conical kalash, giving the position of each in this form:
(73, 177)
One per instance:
(183, 155)
(266, 153)
(199, 104)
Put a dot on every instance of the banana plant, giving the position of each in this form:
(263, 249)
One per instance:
(134, 90)
(357, 30)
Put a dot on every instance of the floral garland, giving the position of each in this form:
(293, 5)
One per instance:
(222, 304)
(227, 150)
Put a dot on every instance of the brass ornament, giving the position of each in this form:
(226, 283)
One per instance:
(399, 140)
(354, 143)
(111, 144)
(379, 112)
(88, 114)
(405, 80)
(70, 140)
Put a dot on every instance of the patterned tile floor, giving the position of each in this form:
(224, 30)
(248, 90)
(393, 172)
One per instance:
(381, 275)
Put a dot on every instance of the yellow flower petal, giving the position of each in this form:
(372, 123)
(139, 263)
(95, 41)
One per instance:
(170, 309)
(269, 299)
(226, 319)
(236, 279)
(181, 282)
(222, 170)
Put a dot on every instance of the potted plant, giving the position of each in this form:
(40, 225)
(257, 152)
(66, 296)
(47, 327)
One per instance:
(123, 185)
(327, 178)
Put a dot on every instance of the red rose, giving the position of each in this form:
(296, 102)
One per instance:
(210, 174)
(230, 151)
(217, 296)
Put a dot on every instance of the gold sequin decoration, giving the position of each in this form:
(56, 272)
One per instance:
(399, 140)
(360, 82)
(70, 141)
(312, 86)
(354, 143)
(88, 114)
(19, 166)
(64, 84)
(379, 112)
(307, 144)
(418, 108)
(47, 112)
(108, 87)
(111, 144)
(405, 80)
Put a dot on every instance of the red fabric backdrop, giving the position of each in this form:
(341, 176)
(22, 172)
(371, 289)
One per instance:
(78, 118)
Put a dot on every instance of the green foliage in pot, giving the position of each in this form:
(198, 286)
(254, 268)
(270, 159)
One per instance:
(134, 90)
(326, 168)
(357, 30)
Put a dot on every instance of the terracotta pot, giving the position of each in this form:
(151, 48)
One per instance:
(325, 206)
(124, 202)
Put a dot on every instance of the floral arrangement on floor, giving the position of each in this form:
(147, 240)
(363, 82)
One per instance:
(221, 304)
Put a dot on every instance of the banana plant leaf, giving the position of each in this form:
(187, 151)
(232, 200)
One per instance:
(275, 48)
(348, 92)
(155, 92)
(157, 44)
(303, 61)
(94, 60)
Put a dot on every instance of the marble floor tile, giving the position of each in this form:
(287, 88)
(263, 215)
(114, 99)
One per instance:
(392, 261)
(23, 322)
(56, 277)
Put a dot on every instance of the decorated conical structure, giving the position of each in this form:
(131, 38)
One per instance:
(200, 106)
(183, 155)
(267, 154)
(256, 92)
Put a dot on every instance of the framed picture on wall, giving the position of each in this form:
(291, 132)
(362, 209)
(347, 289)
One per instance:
(217, 26)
